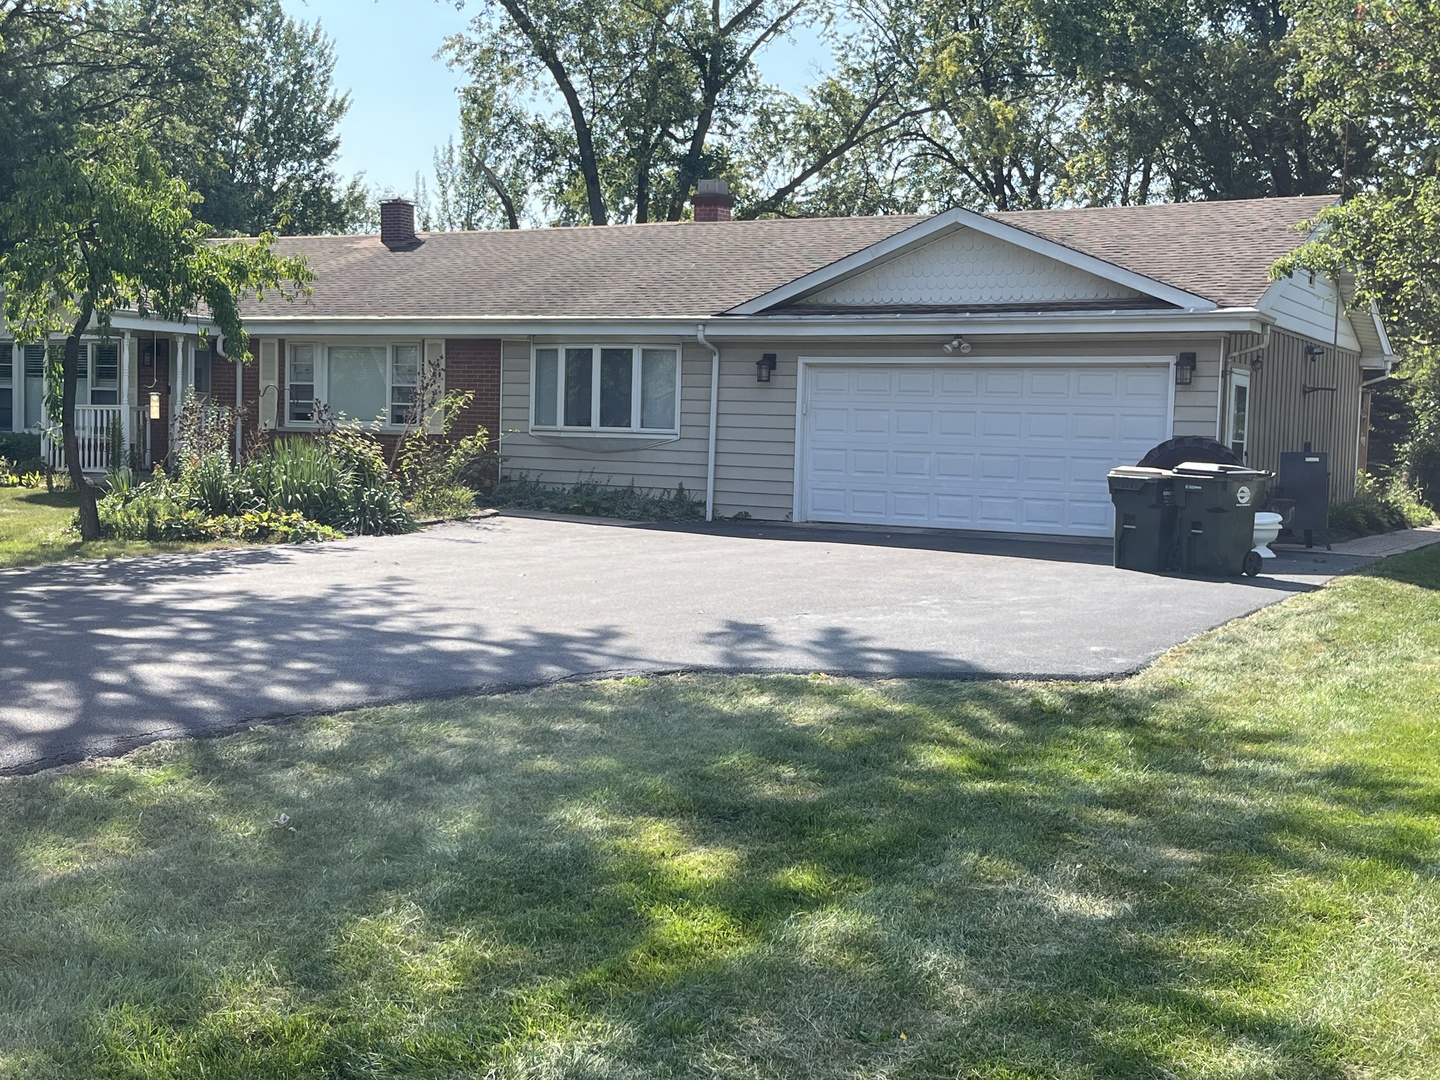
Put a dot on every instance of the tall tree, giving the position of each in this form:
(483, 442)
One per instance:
(104, 228)
(1372, 73)
(259, 143)
(628, 105)
(1199, 96)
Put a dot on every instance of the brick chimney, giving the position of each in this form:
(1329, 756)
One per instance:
(713, 200)
(397, 225)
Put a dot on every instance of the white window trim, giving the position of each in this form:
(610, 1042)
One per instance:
(322, 379)
(595, 431)
(1239, 377)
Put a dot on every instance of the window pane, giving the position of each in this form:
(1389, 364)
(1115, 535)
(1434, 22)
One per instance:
(357, 388)
(7, 408)
(107, 365)
(547, 374)
(300, 378)
(202, 376)
(404, 379)
(7, 363)
(104, 397)
(657, 389)
(579, 377)
(617, 369)
(34, 384)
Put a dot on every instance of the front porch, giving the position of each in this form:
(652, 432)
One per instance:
(109, 436)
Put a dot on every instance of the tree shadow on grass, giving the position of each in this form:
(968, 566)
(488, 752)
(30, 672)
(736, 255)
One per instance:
(772, 876)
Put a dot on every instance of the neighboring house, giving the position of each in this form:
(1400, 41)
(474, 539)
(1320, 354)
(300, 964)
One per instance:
(961, 370)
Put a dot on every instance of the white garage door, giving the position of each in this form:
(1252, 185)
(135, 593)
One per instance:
(1003, 448)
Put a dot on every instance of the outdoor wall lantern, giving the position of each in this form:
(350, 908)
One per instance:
(1184, 368)
(1257, 365)
(154, 406)
(1314, 352)
(764, 366)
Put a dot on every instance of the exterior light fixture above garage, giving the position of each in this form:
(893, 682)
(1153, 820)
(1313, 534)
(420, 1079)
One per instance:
(1184, 368)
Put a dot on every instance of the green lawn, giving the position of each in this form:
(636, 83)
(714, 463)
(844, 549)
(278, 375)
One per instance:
(34, 529)
(1225, 867)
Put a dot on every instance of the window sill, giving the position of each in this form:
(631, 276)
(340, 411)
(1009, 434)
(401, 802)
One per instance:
(603, 442)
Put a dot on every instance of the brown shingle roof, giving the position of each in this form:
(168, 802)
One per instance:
(1221, 251)
(675, 269)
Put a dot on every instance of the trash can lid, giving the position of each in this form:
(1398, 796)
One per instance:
(1138, 471)
(1207, 468)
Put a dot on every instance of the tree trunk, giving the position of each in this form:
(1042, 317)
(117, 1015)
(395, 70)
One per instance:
(89, 515)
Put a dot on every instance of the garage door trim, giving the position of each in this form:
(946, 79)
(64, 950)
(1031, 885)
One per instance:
(804, 362)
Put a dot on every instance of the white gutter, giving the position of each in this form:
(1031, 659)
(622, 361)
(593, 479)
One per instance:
(1264, 343)
(714, 415)
(734, 328)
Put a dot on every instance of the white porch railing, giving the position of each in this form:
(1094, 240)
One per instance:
(98, 431)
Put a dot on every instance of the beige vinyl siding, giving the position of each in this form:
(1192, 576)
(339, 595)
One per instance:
(1307, 308)
(755, 441)
(642, 460)
(1284, 418)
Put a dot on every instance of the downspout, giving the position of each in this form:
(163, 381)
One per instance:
(714, 414)
(1225, 375)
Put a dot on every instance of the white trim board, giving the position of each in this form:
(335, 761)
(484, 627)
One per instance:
(893, 247)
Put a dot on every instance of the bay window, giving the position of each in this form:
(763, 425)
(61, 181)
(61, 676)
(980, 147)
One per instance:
(365, 382)
(606, 388)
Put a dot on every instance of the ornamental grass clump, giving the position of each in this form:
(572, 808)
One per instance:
(293, 490)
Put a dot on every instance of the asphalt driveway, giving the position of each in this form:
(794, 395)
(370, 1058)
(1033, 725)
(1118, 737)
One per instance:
(99, 657)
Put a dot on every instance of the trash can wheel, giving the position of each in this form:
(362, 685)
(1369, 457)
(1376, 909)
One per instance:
(1252, 564)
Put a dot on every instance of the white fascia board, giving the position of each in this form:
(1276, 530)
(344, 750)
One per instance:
(122, 322)
(1383, 338)
(771, 327)
(192, 326)
(926, 231)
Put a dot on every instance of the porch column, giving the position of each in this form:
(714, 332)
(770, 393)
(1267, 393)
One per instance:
(177, 378)
(127, 414)
(239, 405)
(17, 386)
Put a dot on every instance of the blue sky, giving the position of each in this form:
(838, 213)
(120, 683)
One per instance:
(402, 100)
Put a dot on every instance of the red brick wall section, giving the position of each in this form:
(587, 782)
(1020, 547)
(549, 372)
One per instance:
(474, 364)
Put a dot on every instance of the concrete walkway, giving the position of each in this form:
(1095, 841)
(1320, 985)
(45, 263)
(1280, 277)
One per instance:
(1387, 544)
(97, 657)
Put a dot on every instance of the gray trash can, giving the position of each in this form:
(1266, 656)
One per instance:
(1216, 519)
(1145, 519)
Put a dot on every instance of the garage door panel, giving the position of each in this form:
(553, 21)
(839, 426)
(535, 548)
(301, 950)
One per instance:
(1004, 383)
(955, 424)
(954, 466)
(914, 421)
(1048, 514)
(1104, 384)
(916, 382)
(1001, 425)
(910, 465)
(869, 503)
(959, 383)
(1050, 384)
(1047, 426)
(912, 506)
(872, 383)
(1044, 469)
(1027, 450)
(870, 463)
